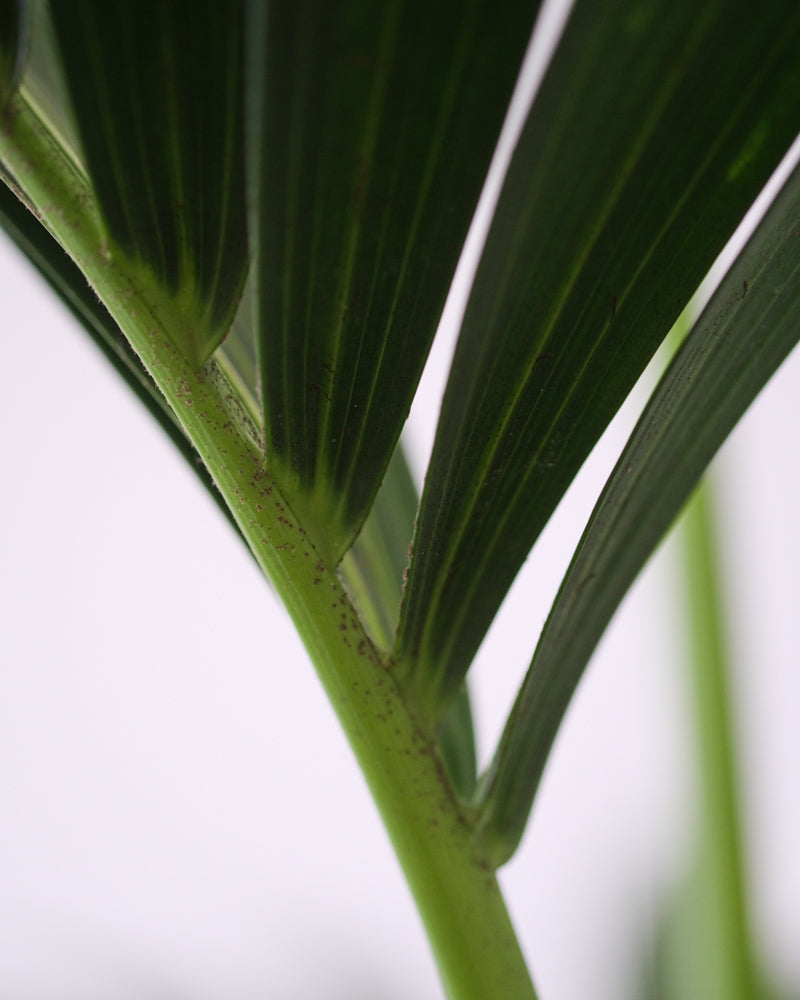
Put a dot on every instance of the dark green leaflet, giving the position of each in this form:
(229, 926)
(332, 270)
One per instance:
(160, 118)
(629, 177)
(372, 129)
(743, 335)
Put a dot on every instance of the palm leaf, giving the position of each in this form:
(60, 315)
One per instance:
(746, 331)
(157, 94)
(373, 126)
(630, 175)
(11, 46)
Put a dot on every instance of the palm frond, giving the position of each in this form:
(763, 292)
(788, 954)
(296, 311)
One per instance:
(743, 335)
(370, 142)
(631, 173)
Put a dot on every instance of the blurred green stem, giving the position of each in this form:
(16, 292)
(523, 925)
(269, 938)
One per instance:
(722, 854)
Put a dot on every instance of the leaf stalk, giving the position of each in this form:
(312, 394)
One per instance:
(455, 889)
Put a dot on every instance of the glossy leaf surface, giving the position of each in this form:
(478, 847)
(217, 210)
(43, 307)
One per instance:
(654, 129)
(746, 331)
(372, 131)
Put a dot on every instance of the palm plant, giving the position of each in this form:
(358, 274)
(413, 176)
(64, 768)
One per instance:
(257, 212)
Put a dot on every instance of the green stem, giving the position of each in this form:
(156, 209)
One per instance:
(722, 856)
(456, 892)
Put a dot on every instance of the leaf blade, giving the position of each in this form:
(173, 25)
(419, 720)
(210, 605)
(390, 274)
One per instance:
(375, 143)
(11, 48)
(157, 93)
(594, 251)
(742, 336)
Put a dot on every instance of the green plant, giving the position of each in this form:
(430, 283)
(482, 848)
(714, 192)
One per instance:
(269, 204)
